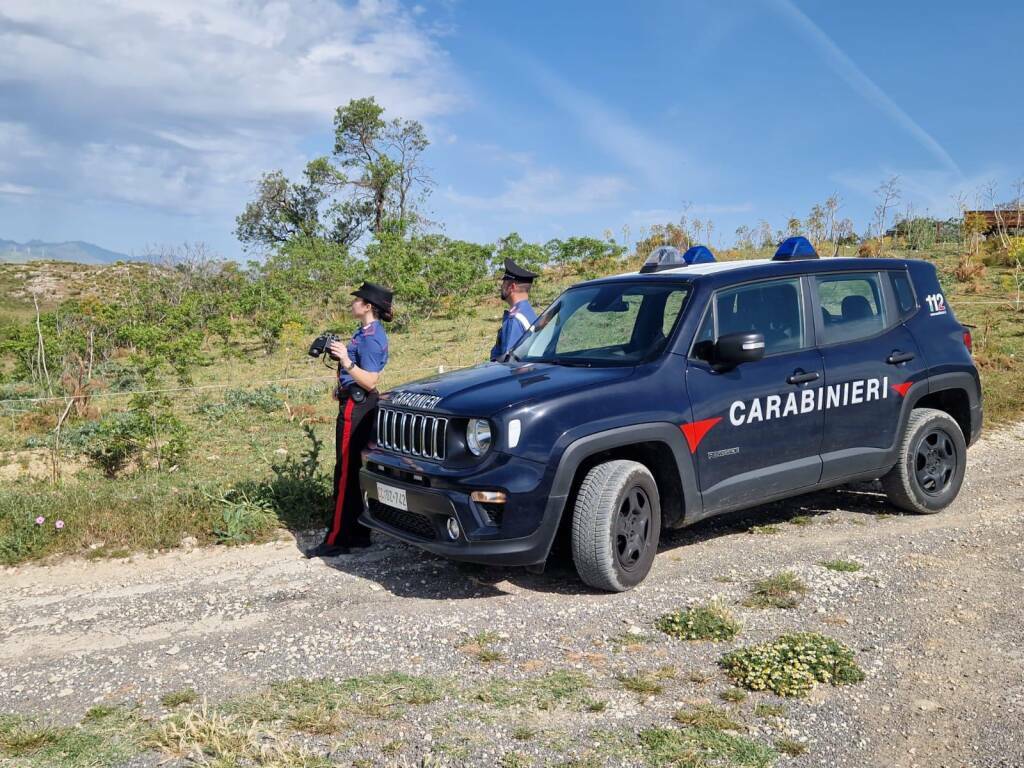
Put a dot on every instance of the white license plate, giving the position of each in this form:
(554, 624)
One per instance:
(392, 497)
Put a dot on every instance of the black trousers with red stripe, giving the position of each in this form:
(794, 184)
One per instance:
(352, 433)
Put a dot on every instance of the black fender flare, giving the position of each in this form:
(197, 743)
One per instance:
(942, 382)
(667, 433)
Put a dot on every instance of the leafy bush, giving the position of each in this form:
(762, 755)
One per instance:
(243, 519)
(117, 440)
(299, 492)
(267, 399)
(137, 435)
(701, 622)
(792, 664)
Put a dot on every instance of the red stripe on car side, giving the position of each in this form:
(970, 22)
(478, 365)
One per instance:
(695, 432)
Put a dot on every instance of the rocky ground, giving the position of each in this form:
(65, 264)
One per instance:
(934, 617)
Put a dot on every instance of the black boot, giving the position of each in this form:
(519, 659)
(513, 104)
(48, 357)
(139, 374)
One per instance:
(323, 549)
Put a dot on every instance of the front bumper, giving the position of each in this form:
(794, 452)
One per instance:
(521, 534)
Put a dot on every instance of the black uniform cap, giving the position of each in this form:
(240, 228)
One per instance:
(375, 294)
(517, 274)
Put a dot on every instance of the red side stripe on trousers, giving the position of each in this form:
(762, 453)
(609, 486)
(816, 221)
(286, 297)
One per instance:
(340, 491)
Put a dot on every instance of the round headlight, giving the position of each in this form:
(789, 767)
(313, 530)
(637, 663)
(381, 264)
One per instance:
(478, 436)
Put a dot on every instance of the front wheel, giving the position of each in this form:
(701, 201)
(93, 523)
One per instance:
(616, 525)
(932, 461)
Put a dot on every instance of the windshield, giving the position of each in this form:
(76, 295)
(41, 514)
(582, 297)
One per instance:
(608, 324)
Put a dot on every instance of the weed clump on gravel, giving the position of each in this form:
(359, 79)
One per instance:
(792, 664)
(778, 591)
(698, 747)
(791, 747)
(843, 566)
(708, 716)
(733, 695)
(648, 683)
(701, 622)
(177, 698)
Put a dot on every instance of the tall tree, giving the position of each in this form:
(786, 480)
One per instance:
(374, 180)
(385, 159)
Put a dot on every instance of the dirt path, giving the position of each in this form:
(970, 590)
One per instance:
(935, 616)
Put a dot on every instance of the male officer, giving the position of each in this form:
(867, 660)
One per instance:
(515, 291)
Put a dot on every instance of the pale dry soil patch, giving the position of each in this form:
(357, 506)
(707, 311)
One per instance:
(934, 616)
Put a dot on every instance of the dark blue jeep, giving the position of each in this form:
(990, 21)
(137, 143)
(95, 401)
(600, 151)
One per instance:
(686, 390)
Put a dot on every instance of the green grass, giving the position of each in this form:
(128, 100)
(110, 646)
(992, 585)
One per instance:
(700, 622)
(106, 737)
(564, 688)
(764, 530)
(779, 591)
(733, 695)
(843, 566)
(702, 747)
(644, 683)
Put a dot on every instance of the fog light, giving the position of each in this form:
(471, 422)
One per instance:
(453, 529)
(488, 497)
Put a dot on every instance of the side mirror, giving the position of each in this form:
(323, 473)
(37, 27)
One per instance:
(736, 348)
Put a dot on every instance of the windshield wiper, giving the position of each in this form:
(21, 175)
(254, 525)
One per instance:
(570, 362)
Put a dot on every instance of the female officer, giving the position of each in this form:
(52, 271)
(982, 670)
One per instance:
(361, 362)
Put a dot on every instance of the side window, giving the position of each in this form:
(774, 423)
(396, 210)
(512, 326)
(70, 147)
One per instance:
(705, 338)
(773, 308)
(906, 303)
(673, 305)
(851, 306)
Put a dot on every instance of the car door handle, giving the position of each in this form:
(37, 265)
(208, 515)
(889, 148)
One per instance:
(799, 377)
(898, 357)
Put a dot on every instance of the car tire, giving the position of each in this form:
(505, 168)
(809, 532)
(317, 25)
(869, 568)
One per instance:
(616, 525)
(931, 466)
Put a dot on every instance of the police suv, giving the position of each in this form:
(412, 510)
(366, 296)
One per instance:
(691, 388)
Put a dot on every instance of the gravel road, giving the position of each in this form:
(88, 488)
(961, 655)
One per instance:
(935, 618)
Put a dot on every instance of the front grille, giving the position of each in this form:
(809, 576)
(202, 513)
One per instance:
(410, 522)
(415, 434)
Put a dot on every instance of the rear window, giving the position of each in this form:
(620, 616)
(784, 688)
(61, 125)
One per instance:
(851, 306)
(901, 286)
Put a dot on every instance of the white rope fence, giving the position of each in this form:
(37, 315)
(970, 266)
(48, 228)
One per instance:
(325, 379)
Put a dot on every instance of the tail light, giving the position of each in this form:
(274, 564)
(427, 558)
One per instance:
(967, 340)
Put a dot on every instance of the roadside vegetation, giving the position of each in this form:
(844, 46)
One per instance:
(373, 719)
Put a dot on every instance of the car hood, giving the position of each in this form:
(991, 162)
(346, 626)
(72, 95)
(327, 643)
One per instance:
(485, 389)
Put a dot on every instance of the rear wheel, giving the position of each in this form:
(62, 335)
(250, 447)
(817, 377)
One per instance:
(932, 461)
(616, 525)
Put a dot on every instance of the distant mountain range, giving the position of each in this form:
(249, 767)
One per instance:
(76, 251)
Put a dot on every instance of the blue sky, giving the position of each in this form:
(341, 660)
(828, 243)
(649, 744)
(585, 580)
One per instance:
(129, 123)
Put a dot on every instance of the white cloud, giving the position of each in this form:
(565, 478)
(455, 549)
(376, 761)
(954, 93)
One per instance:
(854, 76)
(547, 192)
(16, 189)
(665, 215)
(179, 105)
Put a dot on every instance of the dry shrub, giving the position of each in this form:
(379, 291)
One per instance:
(303, 413)
(869, 249)
(969, 271)
(38, 420)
